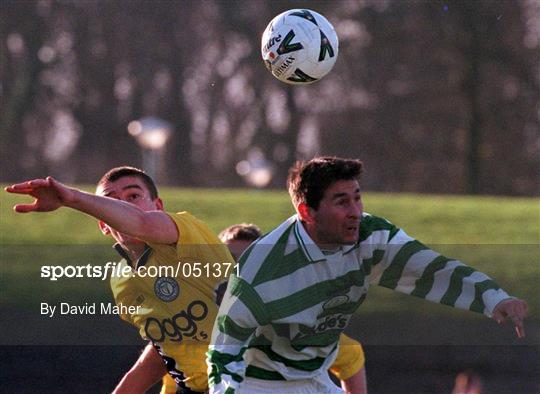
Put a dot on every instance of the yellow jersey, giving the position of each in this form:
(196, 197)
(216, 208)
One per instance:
(350, 359)
(176, 309)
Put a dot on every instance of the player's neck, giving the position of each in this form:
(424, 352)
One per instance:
(323, 244)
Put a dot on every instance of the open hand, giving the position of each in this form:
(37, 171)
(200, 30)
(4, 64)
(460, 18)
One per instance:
(48, 194)
(514, 310)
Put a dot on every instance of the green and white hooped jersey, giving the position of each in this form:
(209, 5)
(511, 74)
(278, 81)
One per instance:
(282, 316)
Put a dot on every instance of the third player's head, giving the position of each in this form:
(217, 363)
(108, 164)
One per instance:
(238, 237)
(325, 192)
(131, 185)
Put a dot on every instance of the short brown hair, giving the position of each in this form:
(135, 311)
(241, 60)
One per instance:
(307, 181)
(120, 172)
(240, 232)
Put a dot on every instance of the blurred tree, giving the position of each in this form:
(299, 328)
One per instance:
(449, 89)
(23, 31)
(435, 96)
(100, 48)
(499, 84)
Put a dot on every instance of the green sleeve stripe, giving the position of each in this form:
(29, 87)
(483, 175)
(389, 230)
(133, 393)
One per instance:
(313, 295)
(308, 339)
(282, 330)
(229, 390)
(479, 289)
(219, 361)
(260, 373)
(302, 365)
(455, 286)
(280, 267)
(393, 231)
(368, 264)
(214, 378)
(324, 339)
(260, 340)
(277, 264)
(424, 285)
(370, 224)
(392, 274)
(218, 358)
(243, 290)
(228, 326)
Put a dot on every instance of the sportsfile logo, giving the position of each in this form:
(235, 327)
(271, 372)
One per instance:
(117, 270)
(106, 271)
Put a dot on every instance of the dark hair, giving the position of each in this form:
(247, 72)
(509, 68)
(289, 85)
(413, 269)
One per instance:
(120, 172)
(307, 181)
(240, 232)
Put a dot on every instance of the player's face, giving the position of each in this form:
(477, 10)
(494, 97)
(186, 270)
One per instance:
(237, 247)
(130, 189)
(337, 220)
(133, 190)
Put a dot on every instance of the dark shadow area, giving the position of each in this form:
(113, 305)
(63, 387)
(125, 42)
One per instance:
(391, 369)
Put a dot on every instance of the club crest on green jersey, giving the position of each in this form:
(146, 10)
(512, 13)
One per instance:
(336, 301)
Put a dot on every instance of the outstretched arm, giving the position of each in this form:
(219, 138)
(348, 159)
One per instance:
(146, 371)
(412, 268)
(49, 195)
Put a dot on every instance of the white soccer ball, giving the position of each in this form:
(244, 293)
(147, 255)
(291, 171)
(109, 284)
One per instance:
(299, 46)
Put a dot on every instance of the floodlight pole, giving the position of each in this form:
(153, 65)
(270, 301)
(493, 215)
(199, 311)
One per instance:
(151, 134)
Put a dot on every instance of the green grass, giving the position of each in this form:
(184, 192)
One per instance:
(432, 219)
(500, 236)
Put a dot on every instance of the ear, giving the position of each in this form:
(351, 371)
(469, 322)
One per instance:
(105, 229)
(306, 213)
(159, 204)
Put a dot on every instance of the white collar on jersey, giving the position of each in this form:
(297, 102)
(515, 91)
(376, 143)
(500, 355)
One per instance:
(310, 249)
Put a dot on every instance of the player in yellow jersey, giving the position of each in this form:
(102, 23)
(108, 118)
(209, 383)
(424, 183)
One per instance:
(175, 313)
(349, 364)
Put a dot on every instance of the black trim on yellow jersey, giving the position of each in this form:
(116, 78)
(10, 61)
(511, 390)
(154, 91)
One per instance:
(141, 261)
(177, 375)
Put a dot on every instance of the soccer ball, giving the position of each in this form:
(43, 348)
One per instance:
(299, 46)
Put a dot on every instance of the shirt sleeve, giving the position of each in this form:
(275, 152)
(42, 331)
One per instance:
(241, 311)
(196, 243)
(410, 267)
(350, 358)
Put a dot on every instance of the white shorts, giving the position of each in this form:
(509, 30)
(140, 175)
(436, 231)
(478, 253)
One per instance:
(319, 385)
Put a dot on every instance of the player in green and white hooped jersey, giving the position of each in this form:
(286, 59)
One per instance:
(278, 325)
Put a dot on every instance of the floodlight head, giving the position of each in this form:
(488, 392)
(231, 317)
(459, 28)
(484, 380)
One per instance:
(150, 132)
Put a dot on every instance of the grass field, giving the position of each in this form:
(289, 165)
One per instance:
(432, 219)
(500, 236)
(409, 342)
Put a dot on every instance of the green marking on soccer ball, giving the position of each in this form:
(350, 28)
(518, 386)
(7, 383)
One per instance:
(299, 46)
